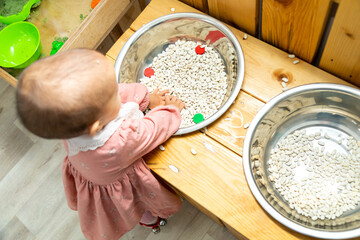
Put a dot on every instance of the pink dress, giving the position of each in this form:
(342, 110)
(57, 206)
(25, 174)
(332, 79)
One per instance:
(111, 186)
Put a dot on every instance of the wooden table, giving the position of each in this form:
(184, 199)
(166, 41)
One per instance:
(214, 180)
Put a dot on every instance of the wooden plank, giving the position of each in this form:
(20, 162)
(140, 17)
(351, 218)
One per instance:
(15, 229)
(10, 153)
(3, 88)
(33, 214)
(200, 208)
(97, 25)
(169, 232)
(215, 180)
(7, 77)
(229, 128)
(295, 26)
(242, 14)
(142, 4)
(197, 228)
(134, 9)
(130, 15)
(217, 232)
(265, 66)
(64, 224)
(341, 55)
(115, 49)
(238, 235)
(158, 8)
(201, 5)
(16, 188)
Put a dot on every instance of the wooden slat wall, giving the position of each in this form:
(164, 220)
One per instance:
(295, 26)
(341, 55)
(201, 5)
(242, 14)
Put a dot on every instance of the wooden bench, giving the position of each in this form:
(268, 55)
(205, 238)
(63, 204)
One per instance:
(213, 180)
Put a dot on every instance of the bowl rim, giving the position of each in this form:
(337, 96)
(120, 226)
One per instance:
(37, 42)
(20, 16)
(247, 166)
(224, 29)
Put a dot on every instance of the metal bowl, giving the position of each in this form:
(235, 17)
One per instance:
(332, 108)
(154, 37)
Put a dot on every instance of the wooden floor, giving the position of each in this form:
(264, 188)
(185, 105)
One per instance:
(32, 201)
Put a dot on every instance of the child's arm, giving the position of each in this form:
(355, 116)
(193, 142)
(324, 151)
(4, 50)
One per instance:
(140, 136)
(134, 92)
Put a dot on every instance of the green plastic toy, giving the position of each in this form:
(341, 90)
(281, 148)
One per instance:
(21, 16)
(198, 118)
(56, 45)
(20, 45)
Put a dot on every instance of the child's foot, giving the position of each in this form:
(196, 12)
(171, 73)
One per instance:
(156, 226)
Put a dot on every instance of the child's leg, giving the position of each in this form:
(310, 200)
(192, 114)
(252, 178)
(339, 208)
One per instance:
(148, 219)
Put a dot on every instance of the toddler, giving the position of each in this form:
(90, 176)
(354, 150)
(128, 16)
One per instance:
(74, 96)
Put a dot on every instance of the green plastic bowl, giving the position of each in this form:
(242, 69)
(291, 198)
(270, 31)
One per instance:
(21, 16)
(20, 45)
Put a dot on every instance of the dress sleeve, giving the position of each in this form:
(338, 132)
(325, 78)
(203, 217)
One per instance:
(140, 136)
(134, 92)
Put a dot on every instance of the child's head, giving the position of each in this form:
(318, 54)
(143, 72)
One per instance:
(68, 94)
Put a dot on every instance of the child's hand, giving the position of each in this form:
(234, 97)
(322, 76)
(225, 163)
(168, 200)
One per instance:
(172, 100)
(157, 98)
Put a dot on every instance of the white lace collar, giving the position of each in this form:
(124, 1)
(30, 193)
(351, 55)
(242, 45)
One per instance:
(129, 110)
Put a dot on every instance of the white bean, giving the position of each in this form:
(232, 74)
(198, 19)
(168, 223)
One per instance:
(199, 81)
(330, 179)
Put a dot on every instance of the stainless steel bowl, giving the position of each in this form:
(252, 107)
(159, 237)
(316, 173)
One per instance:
(154, 37)
(332, 108)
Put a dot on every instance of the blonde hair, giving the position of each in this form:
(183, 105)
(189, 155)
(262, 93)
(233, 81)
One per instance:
(62, 95)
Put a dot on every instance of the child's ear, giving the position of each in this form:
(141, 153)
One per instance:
(94, 128)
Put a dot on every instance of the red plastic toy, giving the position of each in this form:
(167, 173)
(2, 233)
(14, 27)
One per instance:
(148, 72)
(199, 50)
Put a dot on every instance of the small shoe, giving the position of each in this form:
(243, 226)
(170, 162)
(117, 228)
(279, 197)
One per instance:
(162, 222)
(156, 226)
(156, 230)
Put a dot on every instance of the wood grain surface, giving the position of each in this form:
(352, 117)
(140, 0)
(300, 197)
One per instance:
(201, 5)
(295, 26)
(242, 14)
(229, 128)
(115, 49)
(341, 55)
